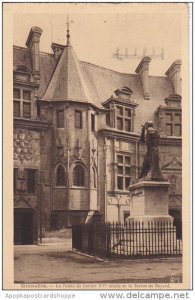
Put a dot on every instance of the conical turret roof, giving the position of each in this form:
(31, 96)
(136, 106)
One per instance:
(67, 82)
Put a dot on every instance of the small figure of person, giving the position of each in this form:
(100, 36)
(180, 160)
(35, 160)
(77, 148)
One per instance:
(151, 164)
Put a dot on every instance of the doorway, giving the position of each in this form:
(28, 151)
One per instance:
(23, 226)
(176, 214)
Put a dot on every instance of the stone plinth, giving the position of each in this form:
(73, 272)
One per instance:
(149, 202)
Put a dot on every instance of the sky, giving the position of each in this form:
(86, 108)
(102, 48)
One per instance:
(96, 34)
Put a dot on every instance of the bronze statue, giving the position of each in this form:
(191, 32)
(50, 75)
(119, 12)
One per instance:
(151, 164)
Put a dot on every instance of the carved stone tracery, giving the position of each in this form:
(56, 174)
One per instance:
(22, 145)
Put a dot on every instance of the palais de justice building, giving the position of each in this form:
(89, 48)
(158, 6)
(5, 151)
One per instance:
(76, 137)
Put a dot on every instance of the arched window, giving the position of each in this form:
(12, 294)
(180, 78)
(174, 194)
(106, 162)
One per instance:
(93, 179)
(78, 176)
(60, 176)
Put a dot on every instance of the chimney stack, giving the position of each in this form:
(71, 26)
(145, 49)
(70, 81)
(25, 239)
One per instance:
(174, 75)
(57, 49)
(33, 44)
(143, 71)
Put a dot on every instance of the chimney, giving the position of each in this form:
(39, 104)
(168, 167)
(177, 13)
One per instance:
(57, 49)
(143, 71)
(174, 75)
(33, 44)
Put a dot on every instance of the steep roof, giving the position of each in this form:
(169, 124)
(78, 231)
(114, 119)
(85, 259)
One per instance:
(21, 56)
(67, 82)
(103, 82)
(71, 79)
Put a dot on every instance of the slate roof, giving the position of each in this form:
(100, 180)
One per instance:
(71, 79)
(67, 82)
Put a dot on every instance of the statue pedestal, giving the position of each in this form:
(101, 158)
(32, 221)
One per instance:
(151, 229)
(149, 202)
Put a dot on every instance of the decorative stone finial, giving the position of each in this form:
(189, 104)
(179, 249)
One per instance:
(68, 31)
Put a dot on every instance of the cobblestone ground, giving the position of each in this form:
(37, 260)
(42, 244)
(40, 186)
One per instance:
(56, 264)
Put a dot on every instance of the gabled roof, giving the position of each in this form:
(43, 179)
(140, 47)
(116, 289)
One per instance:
(67, 82)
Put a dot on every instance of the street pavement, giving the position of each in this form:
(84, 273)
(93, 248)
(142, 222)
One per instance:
(55, 263)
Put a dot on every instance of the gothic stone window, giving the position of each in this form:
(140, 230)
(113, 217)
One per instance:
(22, 103)
(123, 118)
(78, 119)
(123, 171)
(78, 176)
(60, 118)
(173, 124)
(93, 178)
(60, 176)
(92, 122)
(31, 181)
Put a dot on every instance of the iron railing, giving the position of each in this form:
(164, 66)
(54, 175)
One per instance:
(130, 240)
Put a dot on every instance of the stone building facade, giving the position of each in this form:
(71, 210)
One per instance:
(76, 137)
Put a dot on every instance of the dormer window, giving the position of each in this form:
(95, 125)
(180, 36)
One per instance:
(173, 124)
(169, 117)
(22, 73)
(123, 118)
(124, 93)
(121, 110)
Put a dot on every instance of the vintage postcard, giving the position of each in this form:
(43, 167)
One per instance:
(96, 122)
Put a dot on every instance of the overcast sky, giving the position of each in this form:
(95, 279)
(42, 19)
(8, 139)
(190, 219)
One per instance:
(96, 35)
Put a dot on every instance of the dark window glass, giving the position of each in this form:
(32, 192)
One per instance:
(60, 176)
(26, 95)
(127, 160)
(60, 119)
(127, 113)
(38, 109)
(15, 180)
(92, 122)
(120, 159)
(119, 123)
(17, 93)
(176, 214)
(94, 185)
(127, 125)
(127, 170)
(120, 183)
(120, 169)
(126, 215)
(78, 176)
(127, 182)
(26, 110)
(173, 125)
(31, 181)
(78, 119)
(16, 109)
(119, 110)
(108, 119)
